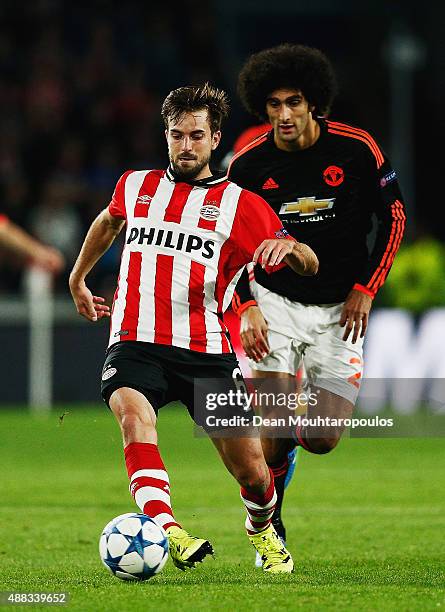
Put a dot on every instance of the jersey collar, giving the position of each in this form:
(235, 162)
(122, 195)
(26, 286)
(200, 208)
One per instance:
(215, 179)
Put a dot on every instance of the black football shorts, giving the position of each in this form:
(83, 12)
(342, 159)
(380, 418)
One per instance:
(167, 373)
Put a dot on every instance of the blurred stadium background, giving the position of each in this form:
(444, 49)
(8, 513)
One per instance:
(80, 93)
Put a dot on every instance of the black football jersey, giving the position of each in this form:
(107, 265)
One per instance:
(326, 196)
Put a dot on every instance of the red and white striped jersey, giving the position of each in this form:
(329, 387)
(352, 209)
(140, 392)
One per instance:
(185, 248)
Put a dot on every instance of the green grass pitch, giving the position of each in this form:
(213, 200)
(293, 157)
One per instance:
(366, 524)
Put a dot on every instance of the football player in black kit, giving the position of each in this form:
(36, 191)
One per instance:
(327, 180)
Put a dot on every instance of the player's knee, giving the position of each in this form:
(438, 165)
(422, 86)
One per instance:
(253, 477)
(136, 423)
(322, 446)
(133, 419)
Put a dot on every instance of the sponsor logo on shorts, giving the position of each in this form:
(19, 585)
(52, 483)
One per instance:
(108, 373)
(209, 212)
(355, 378)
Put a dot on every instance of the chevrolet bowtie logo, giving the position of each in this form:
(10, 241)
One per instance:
(306, 206)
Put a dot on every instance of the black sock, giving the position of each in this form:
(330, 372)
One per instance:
(279, 471)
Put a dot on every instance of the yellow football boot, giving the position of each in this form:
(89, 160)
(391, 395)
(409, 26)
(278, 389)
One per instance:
(274, 556)
(186, 550)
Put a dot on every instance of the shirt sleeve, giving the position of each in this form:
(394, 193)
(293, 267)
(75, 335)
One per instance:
(116, 207)
(387, 204)
(3, 219)
(254, 222)
(242, 296)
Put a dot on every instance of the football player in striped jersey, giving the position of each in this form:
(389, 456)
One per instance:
(327, 180)
(188, 238)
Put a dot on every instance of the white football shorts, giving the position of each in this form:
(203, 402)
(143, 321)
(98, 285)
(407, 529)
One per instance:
(309, 335)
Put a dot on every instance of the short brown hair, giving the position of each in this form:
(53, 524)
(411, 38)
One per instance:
(193, 98)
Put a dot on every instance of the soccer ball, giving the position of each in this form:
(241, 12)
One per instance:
(133, 547)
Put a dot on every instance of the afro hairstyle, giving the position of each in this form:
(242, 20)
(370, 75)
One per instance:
(287, 66)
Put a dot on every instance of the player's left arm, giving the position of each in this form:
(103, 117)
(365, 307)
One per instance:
(264, 240)
(298, 256)
(355, 314)
(387, 203)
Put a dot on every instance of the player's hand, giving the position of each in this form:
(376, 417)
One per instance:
(354, 316)
(48, 258)
(90, 306)
(253, 333)
(272, 252)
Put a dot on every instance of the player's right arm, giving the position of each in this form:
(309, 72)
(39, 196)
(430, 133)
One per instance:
(99, 238)
(253, 333)
(253, 325)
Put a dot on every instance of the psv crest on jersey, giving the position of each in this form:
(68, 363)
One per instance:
(209, 212)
